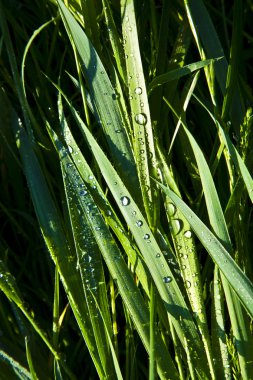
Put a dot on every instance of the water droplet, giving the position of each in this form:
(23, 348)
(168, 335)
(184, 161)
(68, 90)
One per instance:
(82, 192)
(69, 165)
(176, 226)
(133, 213)
(138, 91)
(139, 223)
(118, 130)
(125, 201)
(167, 279)
(171, 209)
(187, 234)
(188, 284)
(141, 119)
(165, 253)
(109, 212)
(70, 149)
(158, 255)
(146, 236)
(1, 275)
(185, 256)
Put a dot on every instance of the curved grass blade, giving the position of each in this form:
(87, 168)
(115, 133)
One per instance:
(144, 149)
(233, 273)
(116, 265)
(235, 156)
(178, 73)
(20, 371)
(205, 35)
(161, 273)
(218, 223)
(104, 99)
(52, 231)
(220, 350)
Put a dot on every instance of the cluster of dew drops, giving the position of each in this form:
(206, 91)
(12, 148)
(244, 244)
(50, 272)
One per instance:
(125, 201)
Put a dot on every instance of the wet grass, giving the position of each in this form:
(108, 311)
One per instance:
(126, 196)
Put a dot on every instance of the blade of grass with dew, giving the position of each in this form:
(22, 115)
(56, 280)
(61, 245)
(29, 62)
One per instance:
(104, 98)
(233, 273)
(235, 57)
(117, 267)
(102, 202)
(9, 287)
(206, 37)
(185, 247)
(108, 247)
(209, 45)
(218, 224)
(144, 150)
(114, 40)
(179, 73)
(85, 233)
(52, 232)
(19, 370)
(149, 248)
(236, 158)
(220, 349)
(114, 355)
(30, 361)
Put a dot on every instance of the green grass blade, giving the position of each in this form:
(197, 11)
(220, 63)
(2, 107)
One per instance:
(144, 149)
(21, 372)
(206, 36)
(238, 281)
(159, 269)
(104, 98)
(179, 73)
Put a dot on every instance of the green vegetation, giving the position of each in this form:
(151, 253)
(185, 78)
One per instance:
(126, 190)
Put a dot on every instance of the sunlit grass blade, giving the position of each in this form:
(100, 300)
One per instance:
(149, 248)
(206, 38)
(236, 278)
(144, 149)
(104, 99)
(18, 369)
(236, 158)
(179, 73)
(220, 349)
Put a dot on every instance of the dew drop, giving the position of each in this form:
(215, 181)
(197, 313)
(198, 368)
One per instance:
(158, 255)
(141, 119)
(138, 91)
(125, 201)
(146, 236)
(1, 275)
(167, 279)
(176, 226)
(133, 213)
(171, 209)
(69, 165)
(188, 284)
(90, 177)
(82, 192)
(139, 223)
(70, 149)
(187, 234)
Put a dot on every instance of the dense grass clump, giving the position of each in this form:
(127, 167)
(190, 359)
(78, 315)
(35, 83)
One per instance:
(126, 189)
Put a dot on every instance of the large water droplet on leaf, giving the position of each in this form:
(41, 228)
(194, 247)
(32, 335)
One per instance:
(125, 201)
(167, 279)
(141, 119)
(138, 90)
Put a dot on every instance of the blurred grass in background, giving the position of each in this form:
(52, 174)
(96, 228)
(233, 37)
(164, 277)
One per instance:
(126, 189)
